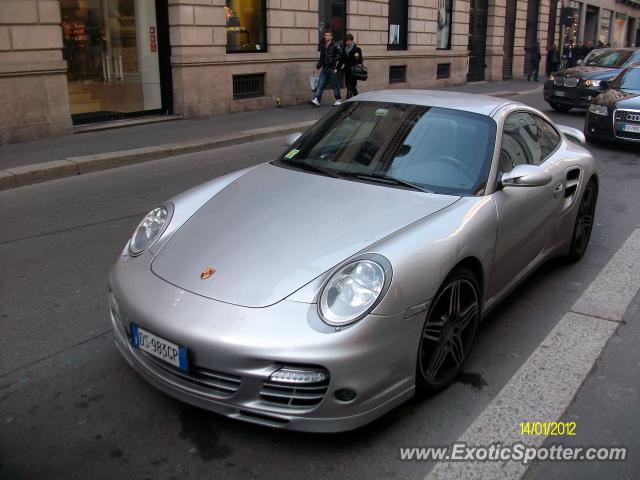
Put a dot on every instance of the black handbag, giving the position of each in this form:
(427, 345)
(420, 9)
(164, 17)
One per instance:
(360, 72)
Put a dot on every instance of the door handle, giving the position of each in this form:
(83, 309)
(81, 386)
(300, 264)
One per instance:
(558, 189)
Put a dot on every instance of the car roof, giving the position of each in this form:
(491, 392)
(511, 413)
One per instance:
(468, 102)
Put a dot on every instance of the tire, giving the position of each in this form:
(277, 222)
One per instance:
(560, 108)
(448, 332)
(583, 225)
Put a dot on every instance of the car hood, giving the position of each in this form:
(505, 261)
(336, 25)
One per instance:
(591, 73)
(619, 98)
(274, 230)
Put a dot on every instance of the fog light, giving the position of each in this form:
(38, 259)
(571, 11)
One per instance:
(298, 376)
(345, 395)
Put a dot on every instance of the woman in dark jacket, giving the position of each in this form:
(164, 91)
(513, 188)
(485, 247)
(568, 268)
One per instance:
(351, 55)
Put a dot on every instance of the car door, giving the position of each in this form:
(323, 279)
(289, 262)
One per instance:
(526, 215)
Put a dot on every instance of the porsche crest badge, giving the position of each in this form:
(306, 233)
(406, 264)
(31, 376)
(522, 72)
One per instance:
(207, 273)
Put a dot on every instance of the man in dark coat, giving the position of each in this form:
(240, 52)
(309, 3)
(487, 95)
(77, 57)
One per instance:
(351, 56)
(327, 66)
(534, 61)
(553, 60)
(571, 55)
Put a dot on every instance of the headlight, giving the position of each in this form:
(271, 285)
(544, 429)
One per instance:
(592, 83)
(149, 230)
(352, 292)
(599, 109)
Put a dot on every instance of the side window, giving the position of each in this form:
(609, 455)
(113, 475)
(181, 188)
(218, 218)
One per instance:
(549, 138)
(520, 142)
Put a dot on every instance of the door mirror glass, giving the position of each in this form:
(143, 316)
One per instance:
(526, 176)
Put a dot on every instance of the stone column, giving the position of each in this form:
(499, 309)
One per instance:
(34, 101)
(543, 30)
(520, 34)
(495, 39)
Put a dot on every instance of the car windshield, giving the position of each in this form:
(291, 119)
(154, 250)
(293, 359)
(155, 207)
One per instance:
(629, 81)
(408, 146)
(608, 58)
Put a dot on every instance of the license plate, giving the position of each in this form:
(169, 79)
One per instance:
(159, 347)
(559, 94)
(631, 128)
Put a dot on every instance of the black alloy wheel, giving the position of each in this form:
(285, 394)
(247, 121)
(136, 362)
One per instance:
(584, 222)
(448, 332)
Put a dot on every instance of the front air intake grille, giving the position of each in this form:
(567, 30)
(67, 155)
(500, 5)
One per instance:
(626, 124)
(307, 395)
(221, 384)
(561, 81)
(571, 82)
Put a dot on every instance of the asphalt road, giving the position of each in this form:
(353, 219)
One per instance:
(71, 408)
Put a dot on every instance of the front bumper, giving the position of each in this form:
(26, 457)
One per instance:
(604, 128)
(576, 97)
(599, 126)
(241, 347)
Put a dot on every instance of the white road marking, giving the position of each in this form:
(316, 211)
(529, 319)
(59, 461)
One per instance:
(546, 383)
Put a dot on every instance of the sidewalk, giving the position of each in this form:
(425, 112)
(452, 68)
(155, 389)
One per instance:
(49, 158)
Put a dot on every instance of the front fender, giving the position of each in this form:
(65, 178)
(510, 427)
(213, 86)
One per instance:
(424, 253)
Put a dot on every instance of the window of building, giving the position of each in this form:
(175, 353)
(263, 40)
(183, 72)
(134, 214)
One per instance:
(246, 25)
(248, 86)
(397, 74)
(443, 70)
(398, 15)
(113, 58)
(443, 33)
(332, 14)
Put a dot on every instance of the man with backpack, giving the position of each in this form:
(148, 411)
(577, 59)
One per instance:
(327, 66)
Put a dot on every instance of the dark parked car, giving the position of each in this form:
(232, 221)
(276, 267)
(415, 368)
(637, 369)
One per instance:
(576, 87)
(615, 113)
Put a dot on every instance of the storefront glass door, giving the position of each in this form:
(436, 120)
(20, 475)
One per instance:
(111, 49)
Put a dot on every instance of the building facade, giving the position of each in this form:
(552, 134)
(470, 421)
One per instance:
(66, 62)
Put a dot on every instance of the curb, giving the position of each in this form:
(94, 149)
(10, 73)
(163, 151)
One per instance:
(80, 165)
(71, 166)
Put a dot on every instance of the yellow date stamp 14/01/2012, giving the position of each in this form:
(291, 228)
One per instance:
(554, 429)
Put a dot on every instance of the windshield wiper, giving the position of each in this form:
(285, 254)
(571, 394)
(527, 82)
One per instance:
(372, 177)
(310, 168)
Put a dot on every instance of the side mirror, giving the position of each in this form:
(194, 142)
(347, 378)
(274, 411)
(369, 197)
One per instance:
(573, 134)
(526, 175)
(293, 138)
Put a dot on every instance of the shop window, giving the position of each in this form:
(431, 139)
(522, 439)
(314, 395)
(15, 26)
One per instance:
(397, 74)
(443, 33)
(332, 15)
(398, 14)
(246, 26)
(443, 70)
(248, 86)
(113, 58)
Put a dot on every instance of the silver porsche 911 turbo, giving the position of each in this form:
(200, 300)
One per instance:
(320, 290)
